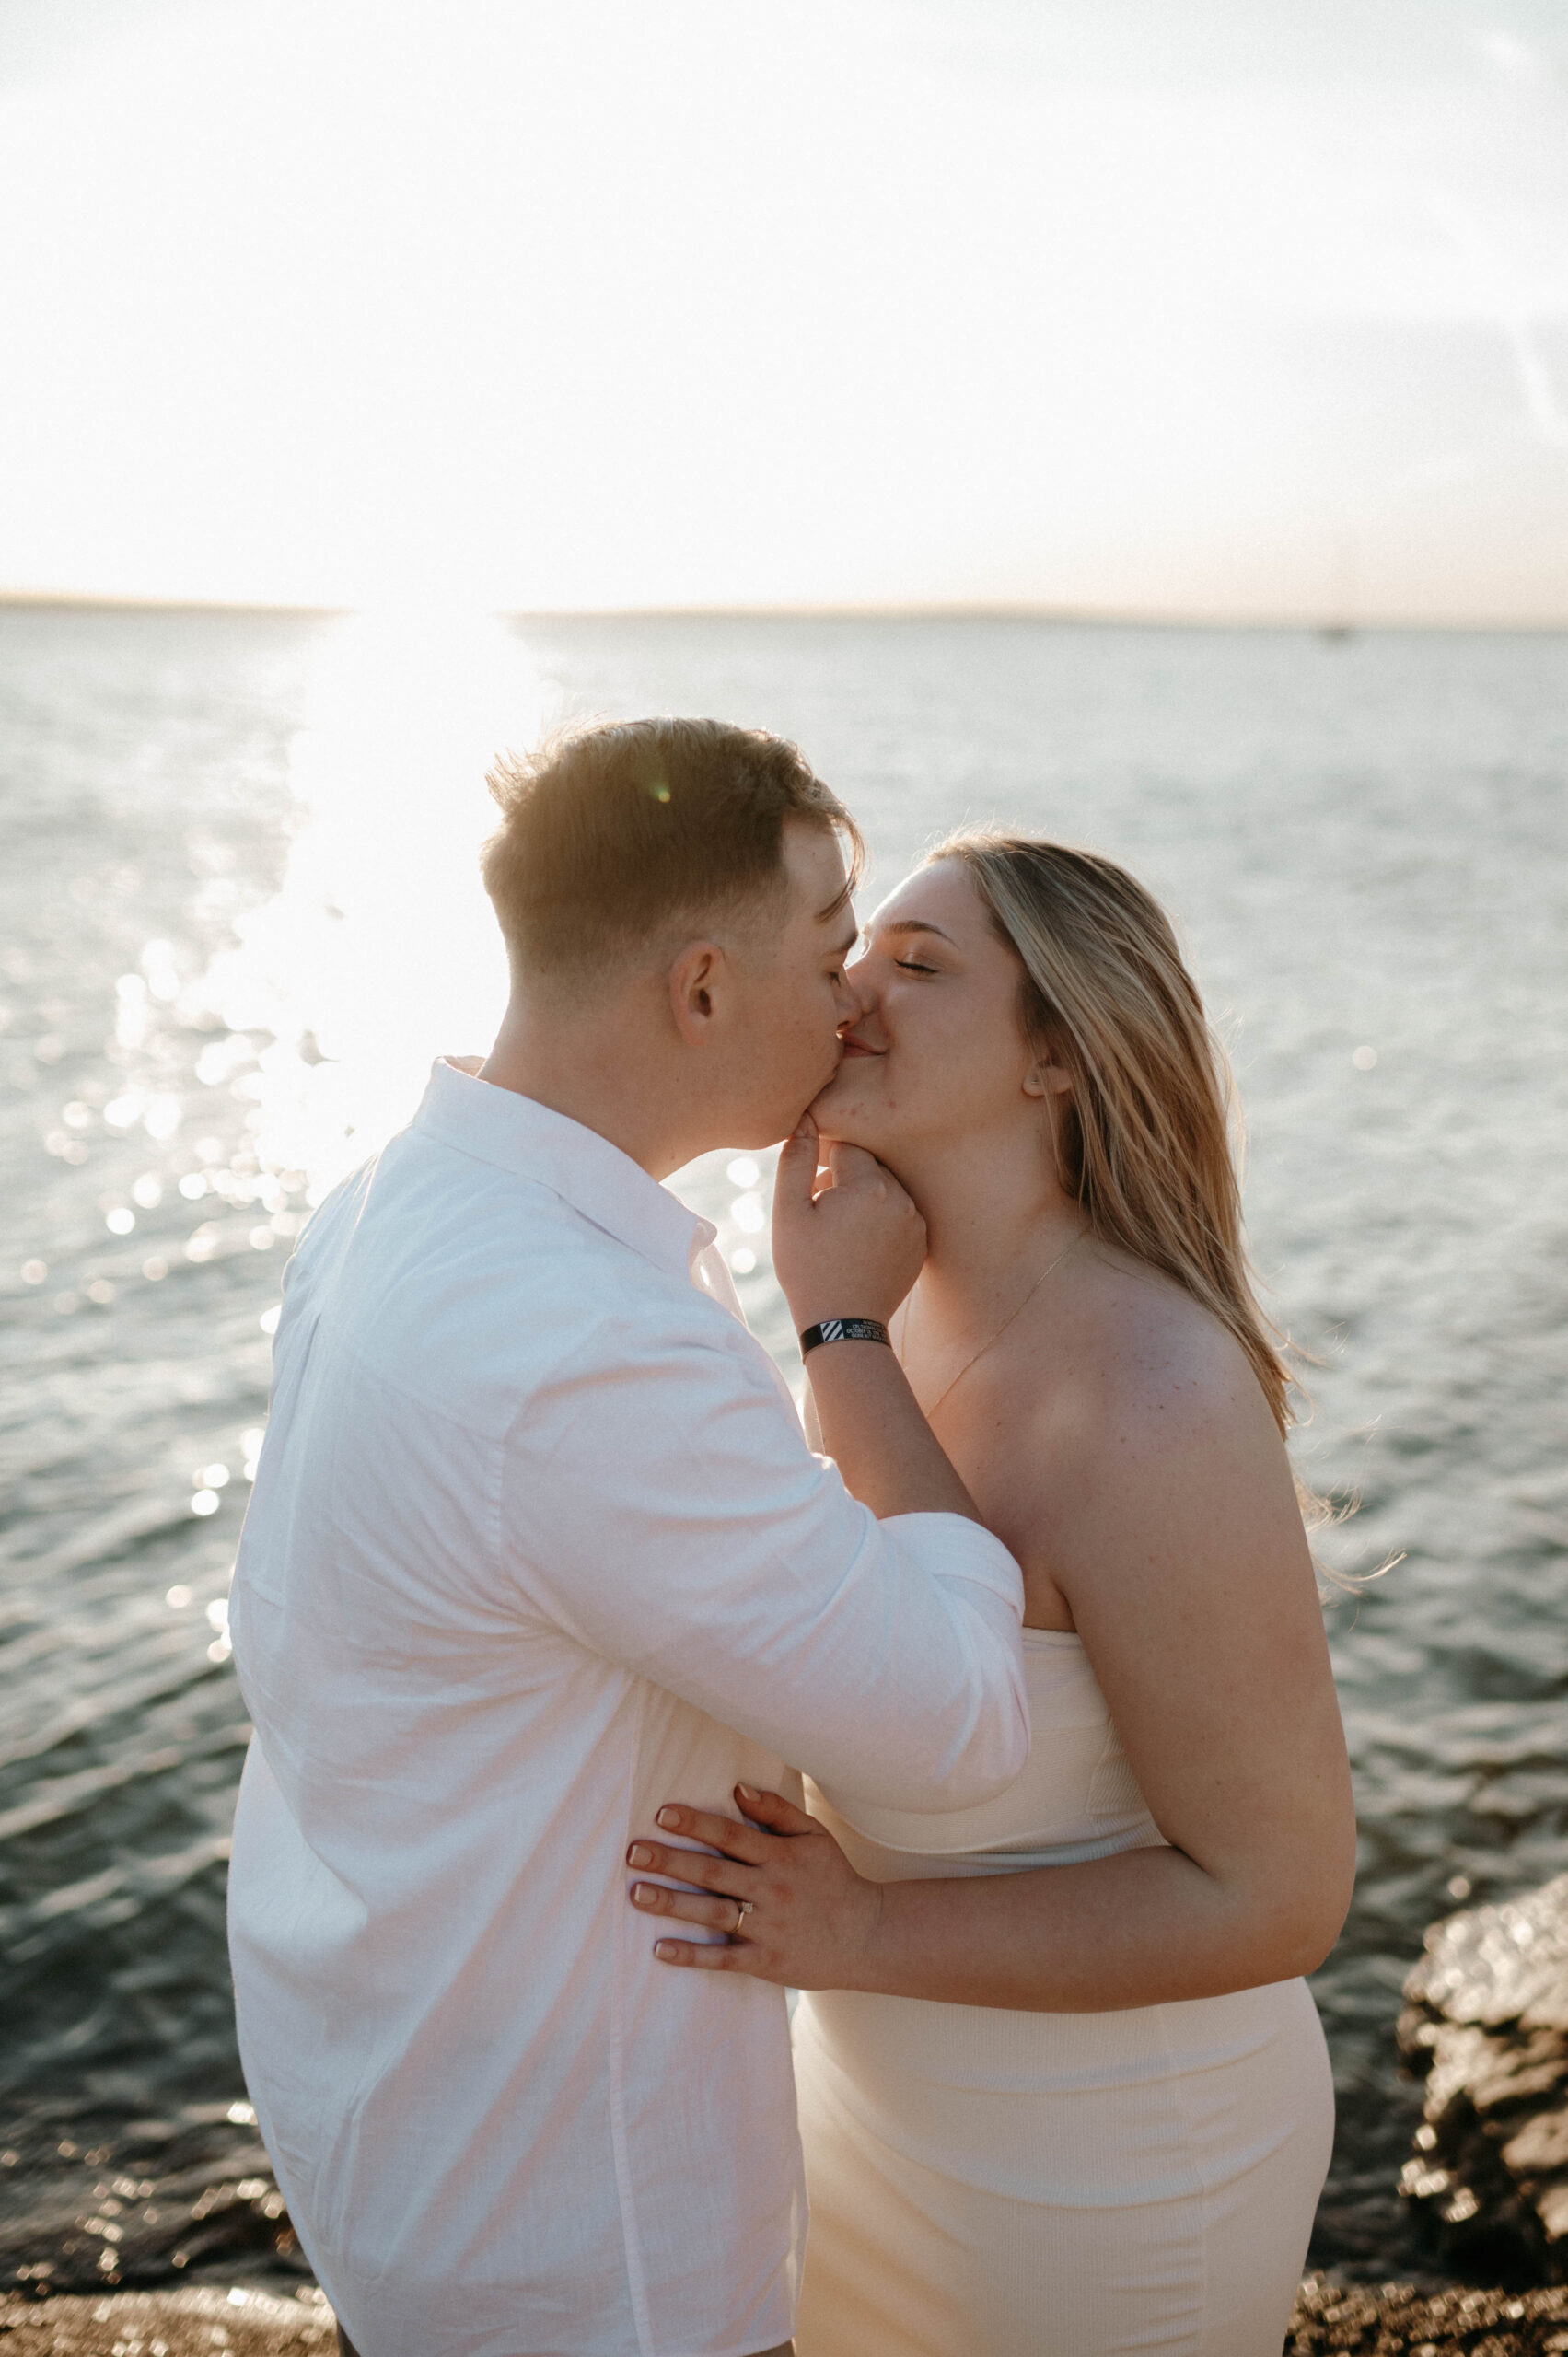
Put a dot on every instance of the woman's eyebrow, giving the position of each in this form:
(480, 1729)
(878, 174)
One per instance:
(916, 924)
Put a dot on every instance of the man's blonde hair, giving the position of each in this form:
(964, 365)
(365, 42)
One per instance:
(612, 833)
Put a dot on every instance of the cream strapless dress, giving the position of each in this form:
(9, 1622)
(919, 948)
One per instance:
(991, 2184)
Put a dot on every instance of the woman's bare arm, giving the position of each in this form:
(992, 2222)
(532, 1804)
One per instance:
(1178, 1542)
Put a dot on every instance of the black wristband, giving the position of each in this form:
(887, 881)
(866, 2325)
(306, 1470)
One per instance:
(842, 1330)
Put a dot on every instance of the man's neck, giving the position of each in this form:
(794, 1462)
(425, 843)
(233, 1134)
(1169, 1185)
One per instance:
(591, 1073)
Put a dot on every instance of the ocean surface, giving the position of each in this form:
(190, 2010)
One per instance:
(240, 918)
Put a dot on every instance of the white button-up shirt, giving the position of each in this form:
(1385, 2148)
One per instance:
(537, 1545)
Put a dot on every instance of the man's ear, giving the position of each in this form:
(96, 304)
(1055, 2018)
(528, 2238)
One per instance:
(696, 977)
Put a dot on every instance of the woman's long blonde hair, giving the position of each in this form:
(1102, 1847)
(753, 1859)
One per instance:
(1149, 1139)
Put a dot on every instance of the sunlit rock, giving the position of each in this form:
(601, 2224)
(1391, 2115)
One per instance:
(1486, 2023)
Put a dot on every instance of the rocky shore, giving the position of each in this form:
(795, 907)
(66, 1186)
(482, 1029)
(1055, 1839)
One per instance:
(1485, 2024)
(1396, 2320)
(202, 2321)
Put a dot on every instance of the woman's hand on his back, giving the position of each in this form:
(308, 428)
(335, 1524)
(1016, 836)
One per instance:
(851, 1248)
(809, 1918)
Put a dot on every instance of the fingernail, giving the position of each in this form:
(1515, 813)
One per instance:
(746, 1794)
(639, 1854)
(666, 1951)
(669, 1819)
(643, 1894)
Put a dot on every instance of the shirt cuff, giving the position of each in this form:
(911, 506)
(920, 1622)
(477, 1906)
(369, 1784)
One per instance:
(949, 1546)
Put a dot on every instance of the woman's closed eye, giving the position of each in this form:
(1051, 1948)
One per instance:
(913, 966)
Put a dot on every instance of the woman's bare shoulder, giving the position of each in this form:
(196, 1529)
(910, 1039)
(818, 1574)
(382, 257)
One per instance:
(1162, 1459)
(1155, 1371)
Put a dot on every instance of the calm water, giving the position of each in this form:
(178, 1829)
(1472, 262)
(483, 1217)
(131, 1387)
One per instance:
(240, 918)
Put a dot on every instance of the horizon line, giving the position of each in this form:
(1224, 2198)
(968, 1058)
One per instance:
(1326, 623)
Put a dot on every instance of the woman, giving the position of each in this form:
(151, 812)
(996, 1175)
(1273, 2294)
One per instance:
(1063, 2091)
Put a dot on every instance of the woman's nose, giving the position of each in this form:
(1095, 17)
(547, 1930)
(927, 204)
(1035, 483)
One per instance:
(858, 995)
(861, 987)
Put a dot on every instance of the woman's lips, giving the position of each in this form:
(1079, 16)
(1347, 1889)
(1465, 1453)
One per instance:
(853, 1047)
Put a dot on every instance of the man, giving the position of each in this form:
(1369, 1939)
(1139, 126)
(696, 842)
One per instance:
(536, 1544)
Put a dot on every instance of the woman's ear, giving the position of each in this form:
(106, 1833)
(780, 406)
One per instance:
(1044, 1078)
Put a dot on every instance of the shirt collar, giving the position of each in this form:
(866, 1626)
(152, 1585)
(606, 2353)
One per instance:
(517, 1133)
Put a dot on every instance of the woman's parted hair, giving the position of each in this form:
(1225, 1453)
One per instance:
(614, 831)
(1149, 1139)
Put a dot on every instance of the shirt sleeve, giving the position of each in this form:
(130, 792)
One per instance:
(660, 1505)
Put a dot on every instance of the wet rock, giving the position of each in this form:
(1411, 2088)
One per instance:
(90, 2202)
(133, 2231)
(1398, 2320)
(201, 2322)
(1394, 2320)
(1486, 2023)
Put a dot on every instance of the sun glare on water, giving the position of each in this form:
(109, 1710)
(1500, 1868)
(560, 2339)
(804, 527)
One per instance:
(379, 952)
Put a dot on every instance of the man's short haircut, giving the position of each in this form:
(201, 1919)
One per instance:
(613, 832)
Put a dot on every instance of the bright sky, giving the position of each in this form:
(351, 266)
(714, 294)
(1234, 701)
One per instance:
(1142, 306)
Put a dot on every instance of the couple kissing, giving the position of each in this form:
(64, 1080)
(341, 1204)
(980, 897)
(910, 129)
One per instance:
(597, 1704)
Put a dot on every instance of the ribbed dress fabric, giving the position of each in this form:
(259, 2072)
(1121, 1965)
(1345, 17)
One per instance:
(993, 2184)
